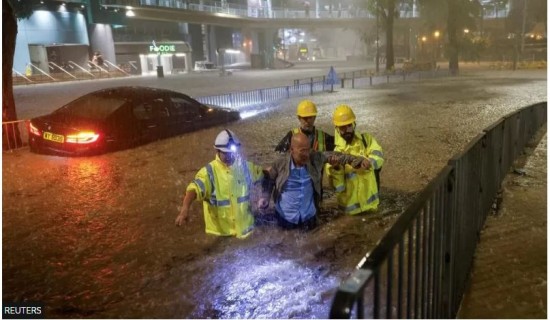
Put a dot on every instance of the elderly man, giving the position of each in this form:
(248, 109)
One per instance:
(224, 187)
(297, 178)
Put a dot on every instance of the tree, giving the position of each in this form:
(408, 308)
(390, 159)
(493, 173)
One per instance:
(456, 15)
(10, 12)
(387, 11)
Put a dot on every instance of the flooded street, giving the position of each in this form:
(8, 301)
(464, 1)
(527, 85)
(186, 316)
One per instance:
(94, 237)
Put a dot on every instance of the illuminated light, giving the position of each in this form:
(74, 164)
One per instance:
(233, 51)
(83, 137)
(436, 34)
(180, 54)
(466, 30)
(424, 39)
(281, 288)
(233, 147)
(130, 13)
(34, 130)
(244, 44)
(251, 113)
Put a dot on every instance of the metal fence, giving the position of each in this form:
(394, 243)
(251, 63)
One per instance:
(253, 97)
(14, 134)
(419, 269)
(237, 100)
(308, 86)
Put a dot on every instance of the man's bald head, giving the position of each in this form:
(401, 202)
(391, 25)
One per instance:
(300, 149)
(299, 139)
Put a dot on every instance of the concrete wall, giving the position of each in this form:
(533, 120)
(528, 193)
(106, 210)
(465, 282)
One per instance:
(101, 39)
(48, 28)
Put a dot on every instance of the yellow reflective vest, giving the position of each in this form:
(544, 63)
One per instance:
(225, 193)
(356, 189)
(318, 139)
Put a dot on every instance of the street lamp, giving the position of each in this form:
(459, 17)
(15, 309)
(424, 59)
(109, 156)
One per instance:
(436, 44)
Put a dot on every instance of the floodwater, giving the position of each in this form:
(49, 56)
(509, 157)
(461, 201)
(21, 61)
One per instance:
(94, 237)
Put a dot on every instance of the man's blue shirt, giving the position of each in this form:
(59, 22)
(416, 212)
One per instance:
(296, 203)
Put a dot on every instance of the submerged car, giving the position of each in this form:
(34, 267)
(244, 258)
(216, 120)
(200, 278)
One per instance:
(122, 117)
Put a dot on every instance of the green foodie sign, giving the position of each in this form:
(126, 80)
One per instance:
(162, 48)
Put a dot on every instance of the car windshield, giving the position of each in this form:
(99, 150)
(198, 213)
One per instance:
(94, 106)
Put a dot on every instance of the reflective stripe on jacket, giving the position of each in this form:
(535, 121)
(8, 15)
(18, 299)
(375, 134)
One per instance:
(318, 143)
(356, 188)
(225, 194)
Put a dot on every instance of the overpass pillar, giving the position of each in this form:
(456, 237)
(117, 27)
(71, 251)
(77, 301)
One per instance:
(266, 51)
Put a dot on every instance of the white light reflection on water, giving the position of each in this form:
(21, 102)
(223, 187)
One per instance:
(251, 113)
(257, 284)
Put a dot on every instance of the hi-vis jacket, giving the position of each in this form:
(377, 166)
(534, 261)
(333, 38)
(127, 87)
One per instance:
(320, 140)
(225, 193)
(356, 188)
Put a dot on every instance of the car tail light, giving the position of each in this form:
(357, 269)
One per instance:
(83, 137)
(34, 130)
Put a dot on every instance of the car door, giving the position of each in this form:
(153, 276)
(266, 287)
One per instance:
(152, 115)
(187, 113)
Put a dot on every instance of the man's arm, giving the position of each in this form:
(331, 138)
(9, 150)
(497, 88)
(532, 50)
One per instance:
(183, 216)
(329, 142)
(338, 158)
(284, 144)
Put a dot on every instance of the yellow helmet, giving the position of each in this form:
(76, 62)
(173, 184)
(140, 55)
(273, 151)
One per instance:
(306, 108)
(343, 115)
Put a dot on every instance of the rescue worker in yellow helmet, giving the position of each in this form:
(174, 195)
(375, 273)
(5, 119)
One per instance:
(224, 186)
(319, 140)
(357, 189)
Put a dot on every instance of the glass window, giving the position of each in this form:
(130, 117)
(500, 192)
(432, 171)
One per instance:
(92, 106)
(188, 109)
(156, 108)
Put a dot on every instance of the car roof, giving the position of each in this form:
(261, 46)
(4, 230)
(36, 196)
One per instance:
(133, 91)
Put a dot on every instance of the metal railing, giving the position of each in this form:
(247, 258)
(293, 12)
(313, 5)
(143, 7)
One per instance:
(71, 71)
(253, 97)
(419, 269)
(14, 134)
(300, 88)
(343, 12)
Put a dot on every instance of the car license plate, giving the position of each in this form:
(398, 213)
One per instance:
(54, 137)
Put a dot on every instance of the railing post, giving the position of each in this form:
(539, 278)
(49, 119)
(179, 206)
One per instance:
(311, 87)
(287, 92)
(370, 81)
(353, 83)
(448, 251)
(262, 95)
(387, 78)
(342, 86)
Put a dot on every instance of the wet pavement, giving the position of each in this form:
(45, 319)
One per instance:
(95, 237)
(509, 274)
